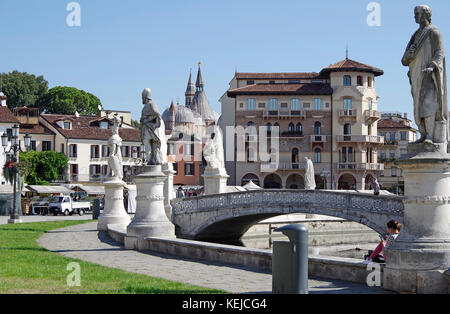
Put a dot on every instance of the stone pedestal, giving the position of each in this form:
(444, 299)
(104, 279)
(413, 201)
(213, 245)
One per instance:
(150, 219)
(114, 211)
(167, 169)
(215, 180)
(418, 259)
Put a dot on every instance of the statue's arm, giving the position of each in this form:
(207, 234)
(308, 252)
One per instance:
(410, 52)
(438, 51)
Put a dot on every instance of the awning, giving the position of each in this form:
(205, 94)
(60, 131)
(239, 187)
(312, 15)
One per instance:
(49, 189)
(93, 189)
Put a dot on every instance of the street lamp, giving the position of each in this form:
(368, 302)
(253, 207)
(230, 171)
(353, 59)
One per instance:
(15, 147)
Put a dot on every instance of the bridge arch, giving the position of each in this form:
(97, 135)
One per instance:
(229, 216)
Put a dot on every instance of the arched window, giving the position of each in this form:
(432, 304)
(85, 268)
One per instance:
(317, 128)
(317, 156)
(347, 129)
(251, 129)
(347, 80)
(295, 104)
(299, 128)
(291, 128)
(295, 153)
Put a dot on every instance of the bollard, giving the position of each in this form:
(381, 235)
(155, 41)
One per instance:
(96, 211)
(290, 261)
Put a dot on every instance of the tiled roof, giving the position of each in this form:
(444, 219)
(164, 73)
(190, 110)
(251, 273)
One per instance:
(279, 76)
(6, 116)
(81, 128)
(283, 89)
(351, 65)
(35, 129)
(391, 124)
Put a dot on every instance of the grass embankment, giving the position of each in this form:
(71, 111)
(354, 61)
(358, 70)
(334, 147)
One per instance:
(25, 267)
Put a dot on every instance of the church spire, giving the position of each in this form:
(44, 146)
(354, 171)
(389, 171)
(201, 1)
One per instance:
(199, 84)
(190, 92)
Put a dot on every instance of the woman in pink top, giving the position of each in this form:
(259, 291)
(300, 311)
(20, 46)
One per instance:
(394, 229)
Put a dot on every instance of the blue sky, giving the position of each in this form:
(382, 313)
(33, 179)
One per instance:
(124, 46)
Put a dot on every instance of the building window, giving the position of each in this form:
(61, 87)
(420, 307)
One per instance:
(73, 150)
(403, 152)
(392, 154)
(250, 82)
(105, 151)
(392, 138)
(95, 170)
(95, 151)
(370, 81)
(33, 145)
(170, 149)
(46, 146)
(317, 128)
(347, 80)
(291, 128)
(403, 136)
(347, 104)
(317, 156)
(295, 153)
(370, 104)
(359, 80)
(261, 105)
(104, 125)
(347, 129)
(343, 156)
(299, 128)
(126, 151)
(350, 155)
(62, 148)
(293, 81)
(67, 125)
(251, 104)
(271, 82)
(393, 172)
(188, 149)
(383, 134)
(189, 169)
(317, 104)
(273, 104)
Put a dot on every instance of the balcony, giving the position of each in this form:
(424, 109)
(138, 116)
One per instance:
(318, 138)
(360, 166)
(360, 139)
(284, 114)
(349, 114)
(372, 116)
(285, 166)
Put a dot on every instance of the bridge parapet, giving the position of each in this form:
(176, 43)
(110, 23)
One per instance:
(197, 214)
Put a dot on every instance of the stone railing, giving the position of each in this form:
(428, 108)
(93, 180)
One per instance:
(360, 139)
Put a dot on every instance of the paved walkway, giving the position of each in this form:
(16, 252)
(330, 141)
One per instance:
(86, 243)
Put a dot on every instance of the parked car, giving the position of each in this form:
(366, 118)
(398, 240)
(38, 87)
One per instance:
(39, 205)
(67, 206)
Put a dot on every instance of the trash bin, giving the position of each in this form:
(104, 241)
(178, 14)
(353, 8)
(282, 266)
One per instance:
(290, 261)
(96, 210)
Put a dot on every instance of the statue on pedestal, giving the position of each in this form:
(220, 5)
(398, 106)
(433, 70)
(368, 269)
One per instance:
(153, 131)
(310, 180)
(115, 157)
(213, 151)
(427, 73)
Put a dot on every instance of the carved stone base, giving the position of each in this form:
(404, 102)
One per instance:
(421, 253)
(114, 211)
(426, 150)
(150, 219)
(215, 180)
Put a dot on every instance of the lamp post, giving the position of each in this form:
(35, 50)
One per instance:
(15, 147)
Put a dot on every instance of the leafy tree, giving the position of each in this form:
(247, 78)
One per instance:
(23, 89)
(68, 100)
(43, 167)
(135, 123)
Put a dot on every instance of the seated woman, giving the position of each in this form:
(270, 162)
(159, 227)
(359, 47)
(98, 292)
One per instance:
(394, 229)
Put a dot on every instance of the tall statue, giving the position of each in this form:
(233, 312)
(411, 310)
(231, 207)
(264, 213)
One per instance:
(427, 73)
(115, 156)
(153, 131)
(213, 151)
(310, 180)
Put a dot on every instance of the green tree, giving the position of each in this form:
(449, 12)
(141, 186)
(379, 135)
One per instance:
(68, 100)
(43, 167)
(23, 89)
(136, 123)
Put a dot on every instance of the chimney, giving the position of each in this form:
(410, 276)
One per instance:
(405, 115)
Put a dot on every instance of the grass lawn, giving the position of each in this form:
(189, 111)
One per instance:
(25, 267)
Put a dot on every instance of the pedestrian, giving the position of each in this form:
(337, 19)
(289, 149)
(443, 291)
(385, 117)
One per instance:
(376, 187)
(394, 229)
(180, 193)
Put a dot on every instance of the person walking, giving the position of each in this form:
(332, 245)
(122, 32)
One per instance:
(180, 193)
(376, 187)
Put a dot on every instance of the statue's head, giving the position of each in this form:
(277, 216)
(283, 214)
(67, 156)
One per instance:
(146, 95)
(422, 13)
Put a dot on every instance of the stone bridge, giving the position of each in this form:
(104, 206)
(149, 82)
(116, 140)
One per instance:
(228, 216)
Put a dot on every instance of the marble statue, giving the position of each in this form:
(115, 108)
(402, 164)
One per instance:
(213, 151)
(115, 145)
(310, 181)
(153, 131)
(427, 73)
